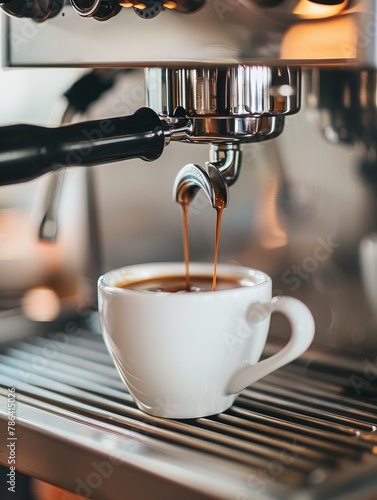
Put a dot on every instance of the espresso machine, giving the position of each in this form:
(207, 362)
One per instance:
(218, 79)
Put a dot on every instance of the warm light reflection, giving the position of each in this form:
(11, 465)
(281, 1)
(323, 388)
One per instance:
(41, 304)
(310, 10)
(272, 234)
(170, 5)
(45, 491)
(141, 6)
(15, 237)
(332, 40)
(25, 261)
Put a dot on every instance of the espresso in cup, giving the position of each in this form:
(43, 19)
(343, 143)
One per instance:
(178, 284)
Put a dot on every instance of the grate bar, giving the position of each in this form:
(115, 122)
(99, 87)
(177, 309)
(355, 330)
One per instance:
(71, 347)
(96, 386)
(330, 446)
(296, 416)
(331, 402)
(323, 436)
(282, 402)
(325, 391)
(58, 353)
(342, 380)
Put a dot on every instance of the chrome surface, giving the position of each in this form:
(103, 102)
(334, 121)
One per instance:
(306, 431)
(177, 130)
(230, 129)
(346, 101)
(238, 90)
(101, 10)
(227, 158)
(191, 178)
(231, 104)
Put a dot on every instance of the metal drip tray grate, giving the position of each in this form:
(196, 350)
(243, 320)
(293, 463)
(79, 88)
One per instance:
(306, 431)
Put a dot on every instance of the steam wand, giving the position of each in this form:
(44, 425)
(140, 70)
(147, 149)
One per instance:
(48, 228)
(78, 98)
(28, 151)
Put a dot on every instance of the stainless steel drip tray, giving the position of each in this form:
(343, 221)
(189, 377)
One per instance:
(305, 432)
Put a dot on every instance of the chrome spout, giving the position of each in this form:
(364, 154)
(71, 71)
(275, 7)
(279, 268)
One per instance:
(191, 178)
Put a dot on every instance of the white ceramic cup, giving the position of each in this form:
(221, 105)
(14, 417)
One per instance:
(188, 355)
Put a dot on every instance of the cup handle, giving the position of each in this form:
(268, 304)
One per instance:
(302, 325)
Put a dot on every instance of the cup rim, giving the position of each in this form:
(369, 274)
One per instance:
(135, 272)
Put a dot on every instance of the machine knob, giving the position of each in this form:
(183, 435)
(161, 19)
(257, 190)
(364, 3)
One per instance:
(101, 10)
(37, 10)
(148, 9)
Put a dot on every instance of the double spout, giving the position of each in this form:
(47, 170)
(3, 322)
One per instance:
(191, 178)
(222, 171)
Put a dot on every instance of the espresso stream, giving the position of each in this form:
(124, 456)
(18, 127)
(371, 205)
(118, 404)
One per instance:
(219, 207)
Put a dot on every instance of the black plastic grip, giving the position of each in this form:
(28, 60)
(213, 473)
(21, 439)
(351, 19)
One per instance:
(28, 151)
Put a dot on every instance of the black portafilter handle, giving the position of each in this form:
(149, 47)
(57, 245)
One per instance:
(28, 151)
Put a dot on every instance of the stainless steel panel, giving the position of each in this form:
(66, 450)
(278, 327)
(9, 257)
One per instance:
(222, 32)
